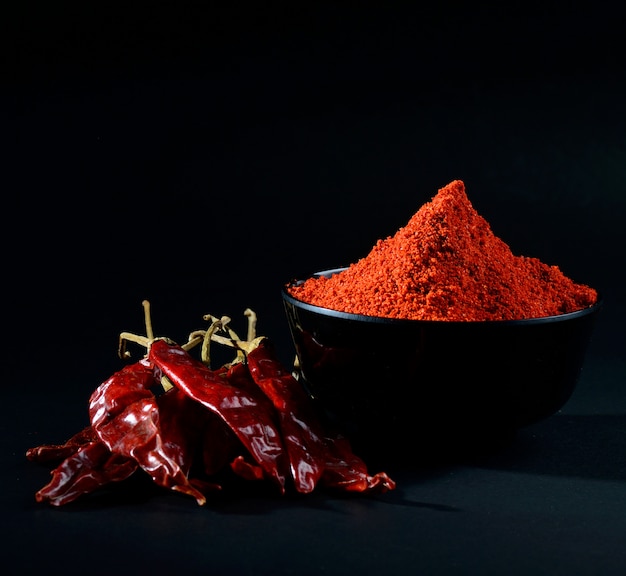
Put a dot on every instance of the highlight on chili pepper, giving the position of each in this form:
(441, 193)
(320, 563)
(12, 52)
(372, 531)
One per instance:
(191, 427)
(447, 264)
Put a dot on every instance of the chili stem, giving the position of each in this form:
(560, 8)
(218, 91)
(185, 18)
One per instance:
(148, 320)
(141, 340)
(193, 339)
(129, 337)
(244, 345)
(166, 383)
(251, 324)
(225, 326)
(205, 354)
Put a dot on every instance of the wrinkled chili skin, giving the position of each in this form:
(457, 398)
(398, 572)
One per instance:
(346, 471)
(58, 452)
(88, 469)
(183, 424)
(302, 433)
(239, 376)
(131, 384)
(317, 456)
(243, 412)
(125, 414)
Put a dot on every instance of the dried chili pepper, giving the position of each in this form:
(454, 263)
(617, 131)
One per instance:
(238, 375)
(184, 424)
(58, 452)
(346, 471)
(299, 425)
(315, 456)
(246, 416)
(167, 410)
(125, 414)
(303, 444)
(86, 470)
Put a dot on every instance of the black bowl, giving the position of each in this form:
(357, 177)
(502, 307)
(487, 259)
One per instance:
(397, 387)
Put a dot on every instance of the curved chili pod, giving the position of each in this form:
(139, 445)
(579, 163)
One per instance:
(314, 455)
(58, 452)
(300, 428)
(184, 424)
(88, 469)
(346, 471)
(242, 411)
(125, 414)
(239, 376)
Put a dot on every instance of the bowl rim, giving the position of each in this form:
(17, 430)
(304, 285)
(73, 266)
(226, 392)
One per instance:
(406, 321)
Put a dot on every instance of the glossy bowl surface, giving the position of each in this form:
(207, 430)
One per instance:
(394, 386)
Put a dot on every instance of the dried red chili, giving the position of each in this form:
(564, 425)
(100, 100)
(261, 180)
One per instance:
(346, 471)
(447, 264)
(188, 429)
(168, 410)
(58, 452)
(125, 414)
(316, 456)
(243, 412)
(299, 425)
(88, 469)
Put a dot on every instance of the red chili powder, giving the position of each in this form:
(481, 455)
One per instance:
(447, 264)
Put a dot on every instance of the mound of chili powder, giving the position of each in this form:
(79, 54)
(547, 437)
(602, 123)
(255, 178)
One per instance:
(447, 264)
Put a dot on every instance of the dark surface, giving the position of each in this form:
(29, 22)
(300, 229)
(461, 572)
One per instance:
(201, 157)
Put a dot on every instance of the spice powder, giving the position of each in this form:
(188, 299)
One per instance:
(447, 264)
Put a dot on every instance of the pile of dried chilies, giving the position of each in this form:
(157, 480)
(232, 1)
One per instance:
(183, 423)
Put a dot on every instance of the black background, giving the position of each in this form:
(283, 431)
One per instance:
(200, 157)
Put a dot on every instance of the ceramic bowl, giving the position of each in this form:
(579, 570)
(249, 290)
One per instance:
(401, 388)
